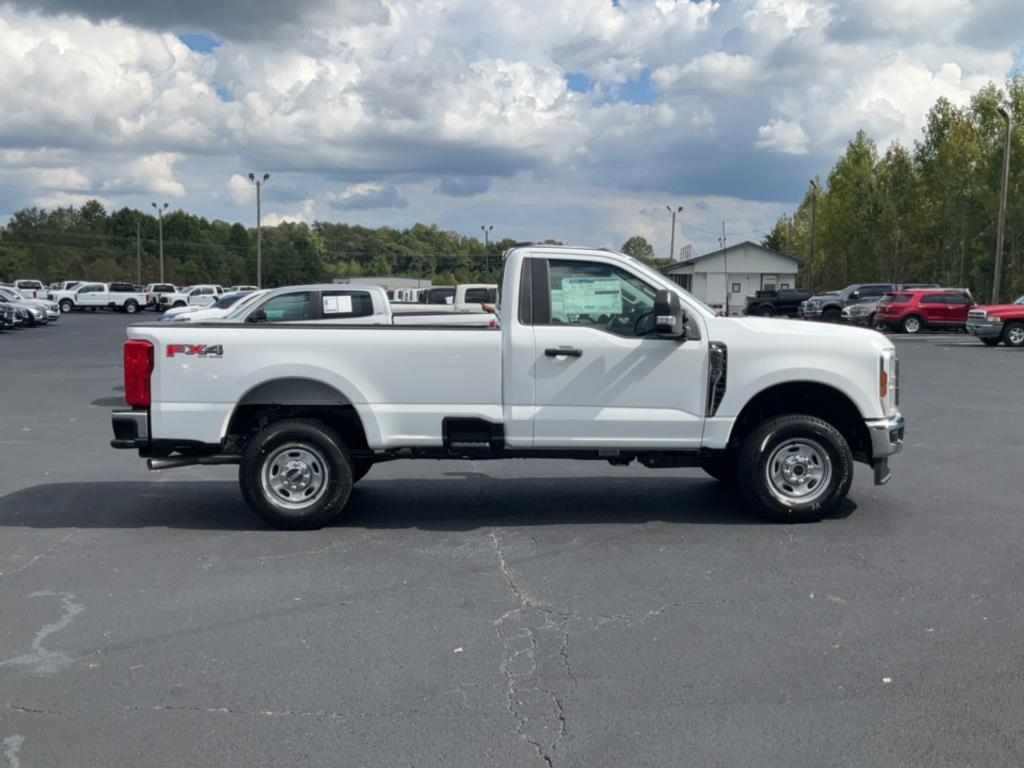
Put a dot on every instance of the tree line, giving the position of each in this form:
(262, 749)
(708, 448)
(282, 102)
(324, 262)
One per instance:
(87, 242)
(925, 213)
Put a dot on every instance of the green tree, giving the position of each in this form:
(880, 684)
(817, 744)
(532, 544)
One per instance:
(638, 248)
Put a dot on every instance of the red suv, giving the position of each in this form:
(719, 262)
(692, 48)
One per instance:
(913, 311)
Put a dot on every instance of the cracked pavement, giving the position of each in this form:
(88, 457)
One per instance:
(505, 613)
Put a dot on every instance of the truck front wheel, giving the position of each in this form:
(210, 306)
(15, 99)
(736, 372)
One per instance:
(66, 305)
(296, 474)
(795, 468)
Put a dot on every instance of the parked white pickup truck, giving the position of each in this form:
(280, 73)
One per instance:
(340, 304)
(119, 296)
(193, 296)
(597, 357)
(463, 299)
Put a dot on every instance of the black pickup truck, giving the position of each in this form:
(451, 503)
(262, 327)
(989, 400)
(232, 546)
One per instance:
(771, 303)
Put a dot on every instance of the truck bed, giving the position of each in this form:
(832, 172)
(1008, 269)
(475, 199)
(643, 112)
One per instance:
(401, 391)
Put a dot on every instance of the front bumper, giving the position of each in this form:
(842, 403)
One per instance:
(886, 439)
(131, 429)
(985, 329)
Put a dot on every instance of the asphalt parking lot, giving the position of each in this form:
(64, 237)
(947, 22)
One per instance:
(506, 613)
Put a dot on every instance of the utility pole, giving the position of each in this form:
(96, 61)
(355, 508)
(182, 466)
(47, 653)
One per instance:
(725, 267)
(259, 235)
(814, 224)
(138, 251)
(160, 218)
(672, 240)
(487, 245)
(1002, 208)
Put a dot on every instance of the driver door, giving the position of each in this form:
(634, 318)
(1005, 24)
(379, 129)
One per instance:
(601, 376)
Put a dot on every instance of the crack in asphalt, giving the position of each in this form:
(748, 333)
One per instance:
(41, 556)
(519, 662)
(42, 660)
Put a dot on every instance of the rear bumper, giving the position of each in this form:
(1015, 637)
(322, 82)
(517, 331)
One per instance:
(131, 429)
(985, 329)
(886, 440)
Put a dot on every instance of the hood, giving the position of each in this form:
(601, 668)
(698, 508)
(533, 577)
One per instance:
(800, 331)
(995, 308)
(826, 295)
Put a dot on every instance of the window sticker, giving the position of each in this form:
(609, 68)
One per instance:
(590, 296)
(337, 304)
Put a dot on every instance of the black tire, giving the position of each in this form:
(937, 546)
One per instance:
(289, 440)
(832, 315)
(766, 311)
(879, 325)
(912, 324)
(772, 440)
(66, 305)
(359, 469)
(1013, 335)
(990, 342)
(131, 306)
(721, 468)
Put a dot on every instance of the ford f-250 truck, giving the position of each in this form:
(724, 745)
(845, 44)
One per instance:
(597, 357)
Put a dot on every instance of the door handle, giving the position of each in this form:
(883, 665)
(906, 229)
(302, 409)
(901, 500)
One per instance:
(564, 352)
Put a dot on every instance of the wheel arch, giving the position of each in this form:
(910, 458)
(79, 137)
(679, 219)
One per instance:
(814, 398)
(290, 397)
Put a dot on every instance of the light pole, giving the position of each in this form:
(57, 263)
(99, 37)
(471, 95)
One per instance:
(672, 240)
(487, 245)
(814, 224)
(1002, 208)
(160, 219)
(259, 235)
(725, 268)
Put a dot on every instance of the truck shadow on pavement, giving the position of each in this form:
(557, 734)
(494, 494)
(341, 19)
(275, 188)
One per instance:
(463, 502)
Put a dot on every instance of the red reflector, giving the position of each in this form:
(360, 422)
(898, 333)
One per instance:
(138, 365)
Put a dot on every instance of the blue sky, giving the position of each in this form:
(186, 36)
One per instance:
(573, 119)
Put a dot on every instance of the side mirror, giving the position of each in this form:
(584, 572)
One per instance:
(259, 316)
(669, 319)
(855, 295)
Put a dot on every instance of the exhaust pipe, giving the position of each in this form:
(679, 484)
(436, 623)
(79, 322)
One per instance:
(187, 461)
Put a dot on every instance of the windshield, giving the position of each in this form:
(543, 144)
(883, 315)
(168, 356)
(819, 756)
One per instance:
(227, 300)
(242, 306)
(1019, 300)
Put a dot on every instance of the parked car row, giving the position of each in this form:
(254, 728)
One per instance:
(899, 308)
(18, 310)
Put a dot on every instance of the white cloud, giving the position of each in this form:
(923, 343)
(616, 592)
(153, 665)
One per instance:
(788, 138)
(63, 199)
(304, 215)
(357, 197)
(150, 173)
(63, 178)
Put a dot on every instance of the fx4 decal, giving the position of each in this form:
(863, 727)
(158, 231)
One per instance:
(195, 350)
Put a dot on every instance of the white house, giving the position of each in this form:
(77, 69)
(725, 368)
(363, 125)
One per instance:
(736, 272)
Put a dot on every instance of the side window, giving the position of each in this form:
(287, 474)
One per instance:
(481, 295)
(599, 296)
(290, 308)
(339, 304)
(933, 298)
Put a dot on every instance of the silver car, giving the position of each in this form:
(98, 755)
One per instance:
(41, 311)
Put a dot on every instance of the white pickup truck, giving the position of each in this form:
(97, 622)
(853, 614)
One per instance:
(193, 296)
(597, 357)
(120, 296)
(466, 298)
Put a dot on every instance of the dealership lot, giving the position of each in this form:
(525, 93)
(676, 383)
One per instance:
(506, 613)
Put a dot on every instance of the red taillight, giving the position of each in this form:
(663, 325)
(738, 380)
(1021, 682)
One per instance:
(138, 365)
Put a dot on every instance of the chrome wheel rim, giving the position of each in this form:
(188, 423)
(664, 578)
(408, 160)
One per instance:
(798, 471)
(1016, 335)
(294, 476)
(913, 325)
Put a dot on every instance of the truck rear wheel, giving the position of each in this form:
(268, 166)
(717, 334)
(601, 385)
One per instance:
(795, 468)
(296, 474)
(131, 306)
